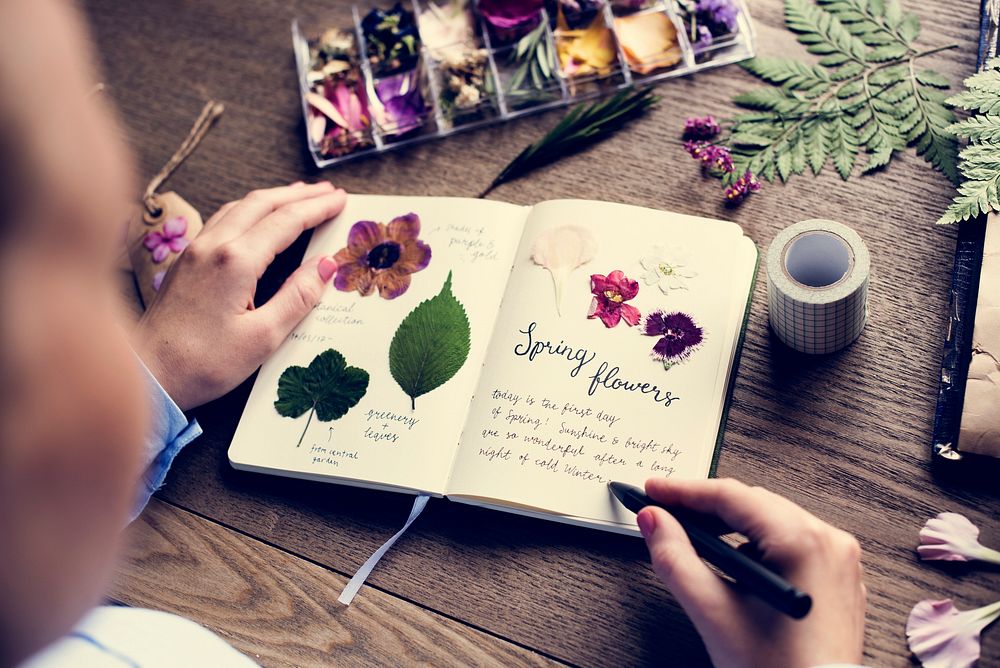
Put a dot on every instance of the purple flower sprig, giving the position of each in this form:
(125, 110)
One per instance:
(742, 188)
(701, 128)
(716, 159)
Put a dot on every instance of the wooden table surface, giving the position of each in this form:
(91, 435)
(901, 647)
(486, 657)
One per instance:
(261, 559)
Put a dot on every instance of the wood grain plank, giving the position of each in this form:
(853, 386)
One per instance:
(845, 435)
(282, 610)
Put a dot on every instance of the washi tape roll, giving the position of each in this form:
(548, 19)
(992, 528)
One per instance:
(817, 286)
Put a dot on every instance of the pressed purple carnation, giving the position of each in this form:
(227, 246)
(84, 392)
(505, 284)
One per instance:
(742, 187)
(679, 336)
(701, 127)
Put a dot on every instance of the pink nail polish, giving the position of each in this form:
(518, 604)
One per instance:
(647, 523)
(327, 268)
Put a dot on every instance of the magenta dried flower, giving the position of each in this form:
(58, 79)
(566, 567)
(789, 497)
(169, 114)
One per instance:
(679, 336)
(741, 188)
(701, 127)
(716, 159)
(952, 537)
(942, 636)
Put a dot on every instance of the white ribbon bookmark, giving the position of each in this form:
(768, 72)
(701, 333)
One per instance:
(351, 590)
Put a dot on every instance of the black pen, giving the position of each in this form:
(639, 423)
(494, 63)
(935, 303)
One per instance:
(763, 583)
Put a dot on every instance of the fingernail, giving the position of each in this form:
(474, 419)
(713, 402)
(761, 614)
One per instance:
(327, 268)
(647, 522)
(298, 183)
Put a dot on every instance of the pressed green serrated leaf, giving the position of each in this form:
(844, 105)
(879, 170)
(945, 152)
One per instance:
(328, 388)
(877, 160)
(886, 53)
(932, 78)
(430, 345)
(749, 139)
(784, 165)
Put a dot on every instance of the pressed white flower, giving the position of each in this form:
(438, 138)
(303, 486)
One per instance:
(952, 537)
(942, 636)
(667, 268)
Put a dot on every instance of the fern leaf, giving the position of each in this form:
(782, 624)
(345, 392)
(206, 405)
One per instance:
(978, 128)
(932, 78)
(790, 74)
(822, 32)
(842, 139)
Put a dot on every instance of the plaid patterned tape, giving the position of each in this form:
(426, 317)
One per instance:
(817, 286)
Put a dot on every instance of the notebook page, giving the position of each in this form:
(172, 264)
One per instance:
(566, 403)
(388, 437)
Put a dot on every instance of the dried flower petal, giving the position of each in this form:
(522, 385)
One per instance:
(942, 636)
(720, 15)
(447, 31)
(952, 537)
(511, 19)
(403, 107)
(649, 41)
(562, 250)
(588, 51)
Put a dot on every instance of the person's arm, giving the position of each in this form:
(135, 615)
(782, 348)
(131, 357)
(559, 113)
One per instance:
(169, 432)
(202, 336)
(739, 630)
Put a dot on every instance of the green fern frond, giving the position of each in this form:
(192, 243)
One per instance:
(864, 96)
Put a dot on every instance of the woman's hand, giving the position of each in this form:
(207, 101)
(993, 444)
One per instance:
(738, 629)
(201, 336)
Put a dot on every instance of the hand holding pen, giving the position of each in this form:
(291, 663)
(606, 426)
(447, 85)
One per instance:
(738, 628)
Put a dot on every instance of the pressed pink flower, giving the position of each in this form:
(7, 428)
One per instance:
(952, 537)
(610, 294)
(380, 256)
(942, 636)
(171, 237)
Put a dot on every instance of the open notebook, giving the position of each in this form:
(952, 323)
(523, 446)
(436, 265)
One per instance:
(511, 357)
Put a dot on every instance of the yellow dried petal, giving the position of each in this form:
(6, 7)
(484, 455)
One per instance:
(649, 41)
(586, 51)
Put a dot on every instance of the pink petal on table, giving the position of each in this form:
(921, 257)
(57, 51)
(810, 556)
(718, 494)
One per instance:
(942, 636)
(152, 240)
(175, 227)
(952, 537)
(177, 244)
(158, 280)
(160, 253)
